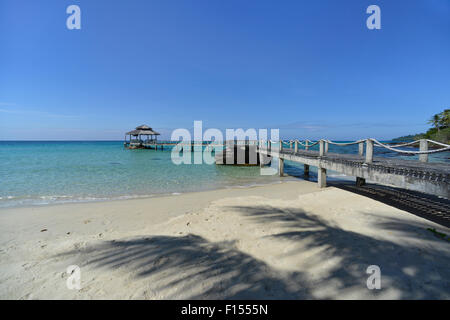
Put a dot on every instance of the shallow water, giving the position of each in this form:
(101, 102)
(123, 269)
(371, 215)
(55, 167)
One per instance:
(39, 173)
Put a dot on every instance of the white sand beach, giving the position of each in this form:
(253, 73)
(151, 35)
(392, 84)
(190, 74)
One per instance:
(284, 241)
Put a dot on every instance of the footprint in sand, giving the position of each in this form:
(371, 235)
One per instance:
(79, 245)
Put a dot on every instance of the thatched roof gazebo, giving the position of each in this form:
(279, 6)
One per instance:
(136, 137)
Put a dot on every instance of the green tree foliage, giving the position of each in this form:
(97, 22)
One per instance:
(439, 132)
(445, 118)
(436, 121)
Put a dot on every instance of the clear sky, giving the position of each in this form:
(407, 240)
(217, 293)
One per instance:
(311, 68)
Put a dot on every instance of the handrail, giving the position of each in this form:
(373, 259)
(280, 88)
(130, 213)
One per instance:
(418, 141)
(345, 143)
(438, 143)
(405, 144)
(370, 143)
(379, 144)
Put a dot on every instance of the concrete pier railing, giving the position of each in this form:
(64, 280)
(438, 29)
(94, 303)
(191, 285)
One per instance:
(416, 175)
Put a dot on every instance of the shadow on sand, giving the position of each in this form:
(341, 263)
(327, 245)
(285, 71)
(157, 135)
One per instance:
(427, 206)
(192, 267)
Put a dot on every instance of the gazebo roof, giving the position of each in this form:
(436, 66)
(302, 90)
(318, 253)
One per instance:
(143, 127)
(144, 130)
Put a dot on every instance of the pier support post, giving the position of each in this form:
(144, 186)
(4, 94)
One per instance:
(322, 177)
(369, 151)
(423, 147)
(361, 148)
(280, 161)
(360, 181)
(306, 170)
(296, 146)
(280, 167)
(261, 159)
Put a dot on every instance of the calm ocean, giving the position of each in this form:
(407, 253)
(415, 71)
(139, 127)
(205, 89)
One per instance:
(40, 173)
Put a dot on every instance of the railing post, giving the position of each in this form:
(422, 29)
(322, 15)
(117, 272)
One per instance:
(290, 144)
(423, 147)
(326, 146)
(281, 145)
(296, 146)
(369, 151)
(361, 148)
(306, 145)
(321, 148)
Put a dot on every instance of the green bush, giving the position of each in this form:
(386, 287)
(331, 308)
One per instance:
(440, 131)
(442, 135)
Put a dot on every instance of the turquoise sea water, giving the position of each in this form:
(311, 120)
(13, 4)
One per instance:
(39, 173)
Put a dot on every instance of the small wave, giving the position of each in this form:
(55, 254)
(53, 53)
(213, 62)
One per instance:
(251, 185)
(25, 201)
(54, 197)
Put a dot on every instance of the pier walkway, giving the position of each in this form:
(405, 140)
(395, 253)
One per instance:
(428, 177)
(417, 175)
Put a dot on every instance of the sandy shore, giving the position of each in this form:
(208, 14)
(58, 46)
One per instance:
(284, 241)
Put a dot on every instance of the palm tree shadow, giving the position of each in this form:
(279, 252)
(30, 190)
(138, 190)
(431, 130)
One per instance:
(408, 271)
(190, 267)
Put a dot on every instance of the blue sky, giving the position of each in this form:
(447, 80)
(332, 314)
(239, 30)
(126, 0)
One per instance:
(310, 68)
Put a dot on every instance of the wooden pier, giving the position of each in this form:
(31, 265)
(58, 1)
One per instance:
(428, 177)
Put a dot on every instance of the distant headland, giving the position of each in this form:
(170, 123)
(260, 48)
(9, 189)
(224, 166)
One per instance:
(440, 130)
